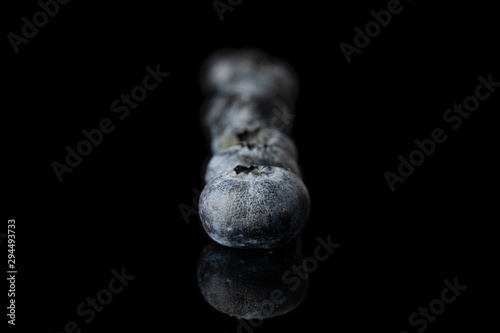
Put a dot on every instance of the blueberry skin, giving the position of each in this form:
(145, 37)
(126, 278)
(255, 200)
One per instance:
(248, 72)
(243, 283)
(255, 135)
(224, 65)
(227, 113)
(254, 207)
(245, 154)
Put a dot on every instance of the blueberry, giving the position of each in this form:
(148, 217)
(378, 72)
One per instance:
(255, 135)
(248, 154)
(254, 207)
(221, 114)
(249, 72)
(224, 65)
(248, 283)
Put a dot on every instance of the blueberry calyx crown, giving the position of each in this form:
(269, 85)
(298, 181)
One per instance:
(241, 168)
(253, 168)
(243, 135)
(251, 146)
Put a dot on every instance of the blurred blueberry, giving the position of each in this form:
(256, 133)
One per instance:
(249, 72)
(247, 154)
(221, 114)
(255, 135)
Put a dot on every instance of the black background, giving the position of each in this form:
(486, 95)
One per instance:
(120, 207)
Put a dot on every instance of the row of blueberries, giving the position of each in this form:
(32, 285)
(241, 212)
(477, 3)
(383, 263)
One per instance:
(254, 196)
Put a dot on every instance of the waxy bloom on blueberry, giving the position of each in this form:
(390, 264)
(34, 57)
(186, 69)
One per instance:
(254, 207)
(246, 154)
(249, 72)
